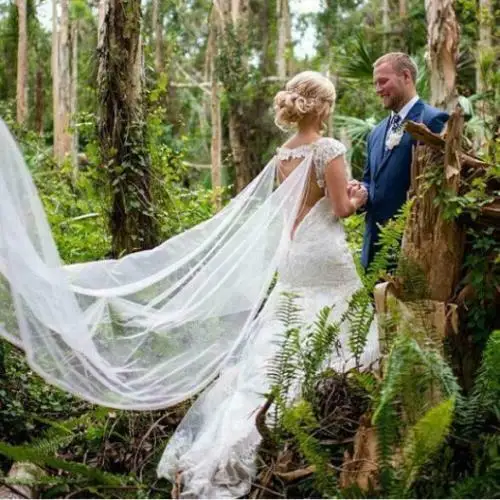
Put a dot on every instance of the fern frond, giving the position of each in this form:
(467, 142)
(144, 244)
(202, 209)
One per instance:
(28, 454)
(301, 423)
(286, 366)
(425, 438)
(485, 396)
(359, 316)
(390, 236)
(413, 378)
(321, 340)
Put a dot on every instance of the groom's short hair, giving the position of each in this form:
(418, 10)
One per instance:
(400, 62)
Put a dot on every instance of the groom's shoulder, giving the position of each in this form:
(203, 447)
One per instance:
(430, 112)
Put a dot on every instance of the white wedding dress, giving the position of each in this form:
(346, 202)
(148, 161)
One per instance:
(214, 448)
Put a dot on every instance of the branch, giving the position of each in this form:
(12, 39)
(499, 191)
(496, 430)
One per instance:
(421, 133)
(260, 421)
(192, 79)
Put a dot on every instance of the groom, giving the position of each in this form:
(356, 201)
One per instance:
(386, 178)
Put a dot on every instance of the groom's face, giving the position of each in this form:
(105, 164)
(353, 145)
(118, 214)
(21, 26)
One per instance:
(390, 86)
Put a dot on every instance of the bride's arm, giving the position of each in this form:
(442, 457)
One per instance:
(336, 184)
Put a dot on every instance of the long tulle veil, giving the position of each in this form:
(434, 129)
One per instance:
(153, 328)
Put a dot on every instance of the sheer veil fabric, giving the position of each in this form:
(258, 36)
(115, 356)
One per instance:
(153, 328)
(156, 327)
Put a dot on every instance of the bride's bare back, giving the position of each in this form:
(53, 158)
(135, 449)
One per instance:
(327, 175)
(312, 192)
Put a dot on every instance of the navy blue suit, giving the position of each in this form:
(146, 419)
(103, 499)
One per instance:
(387, 172)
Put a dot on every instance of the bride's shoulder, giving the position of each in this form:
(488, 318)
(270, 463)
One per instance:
(328, 148)
(329, 142)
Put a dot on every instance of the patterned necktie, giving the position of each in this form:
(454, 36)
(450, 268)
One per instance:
(395, 122)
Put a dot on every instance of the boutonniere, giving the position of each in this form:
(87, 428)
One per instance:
(394, 137)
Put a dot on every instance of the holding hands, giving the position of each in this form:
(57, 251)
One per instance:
(357, 193)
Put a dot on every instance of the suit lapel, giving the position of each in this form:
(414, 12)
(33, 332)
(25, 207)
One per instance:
(415, 114)
(380, 143)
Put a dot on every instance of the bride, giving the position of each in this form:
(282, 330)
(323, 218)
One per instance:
(155, 328)
(213, 450)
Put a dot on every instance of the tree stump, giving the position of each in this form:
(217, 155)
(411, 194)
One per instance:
(430, 241)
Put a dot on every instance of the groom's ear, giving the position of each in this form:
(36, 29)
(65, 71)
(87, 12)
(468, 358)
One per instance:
(407, 76)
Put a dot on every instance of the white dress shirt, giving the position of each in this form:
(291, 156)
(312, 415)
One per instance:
(403, 112)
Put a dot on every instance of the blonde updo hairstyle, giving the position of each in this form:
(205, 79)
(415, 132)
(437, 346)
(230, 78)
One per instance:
(305, 94)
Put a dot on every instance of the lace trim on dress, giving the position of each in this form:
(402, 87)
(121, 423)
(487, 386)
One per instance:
(284, 154)
(325, 150)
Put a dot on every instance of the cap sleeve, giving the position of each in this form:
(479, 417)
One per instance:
(326, 150)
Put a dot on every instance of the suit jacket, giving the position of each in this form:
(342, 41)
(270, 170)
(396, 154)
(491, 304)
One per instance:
(387, 172)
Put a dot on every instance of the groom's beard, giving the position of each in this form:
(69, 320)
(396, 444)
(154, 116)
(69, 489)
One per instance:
(393, 103)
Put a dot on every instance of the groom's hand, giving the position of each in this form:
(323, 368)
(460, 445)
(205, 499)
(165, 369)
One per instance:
(358, 192)
(352, 186)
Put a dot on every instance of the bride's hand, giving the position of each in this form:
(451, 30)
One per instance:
(358, 196)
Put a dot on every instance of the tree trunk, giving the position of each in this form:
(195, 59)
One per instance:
(39, 98)
(22, 63)
(216, 145)
(122, 128)
(443, 34)
(74, 91)
(403, 9)
(484, 46)
(233, 20)
(158, 30)
(434, 244)
(63, 141)
(55, 72)
(284, 38)
(101, 14)
(386, 24)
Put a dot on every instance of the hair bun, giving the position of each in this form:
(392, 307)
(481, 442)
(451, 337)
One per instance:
(306, 93)
(291, 107)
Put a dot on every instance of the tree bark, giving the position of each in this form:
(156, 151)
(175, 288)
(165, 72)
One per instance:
(74, 92)
(55, 69)
(122, 128)
(403, 8)
(284, 38)
(386, 24)
(442, 40)
(484, 46)
(432, 243)
(233, 20)
(39, 98)
(63, 141)
(22, 63)
(215, 108)
(158, 30)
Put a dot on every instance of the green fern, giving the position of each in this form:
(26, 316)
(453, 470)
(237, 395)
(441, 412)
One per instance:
(484, 482)
(411, 374)
(300, 422)
(389, 247)
(61, 434)
(321, 340)
(425, 438)
(38, 457)
(485, 397)
(285, 366)
(359, 316)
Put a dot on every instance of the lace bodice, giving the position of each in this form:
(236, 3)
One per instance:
(324, 150)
